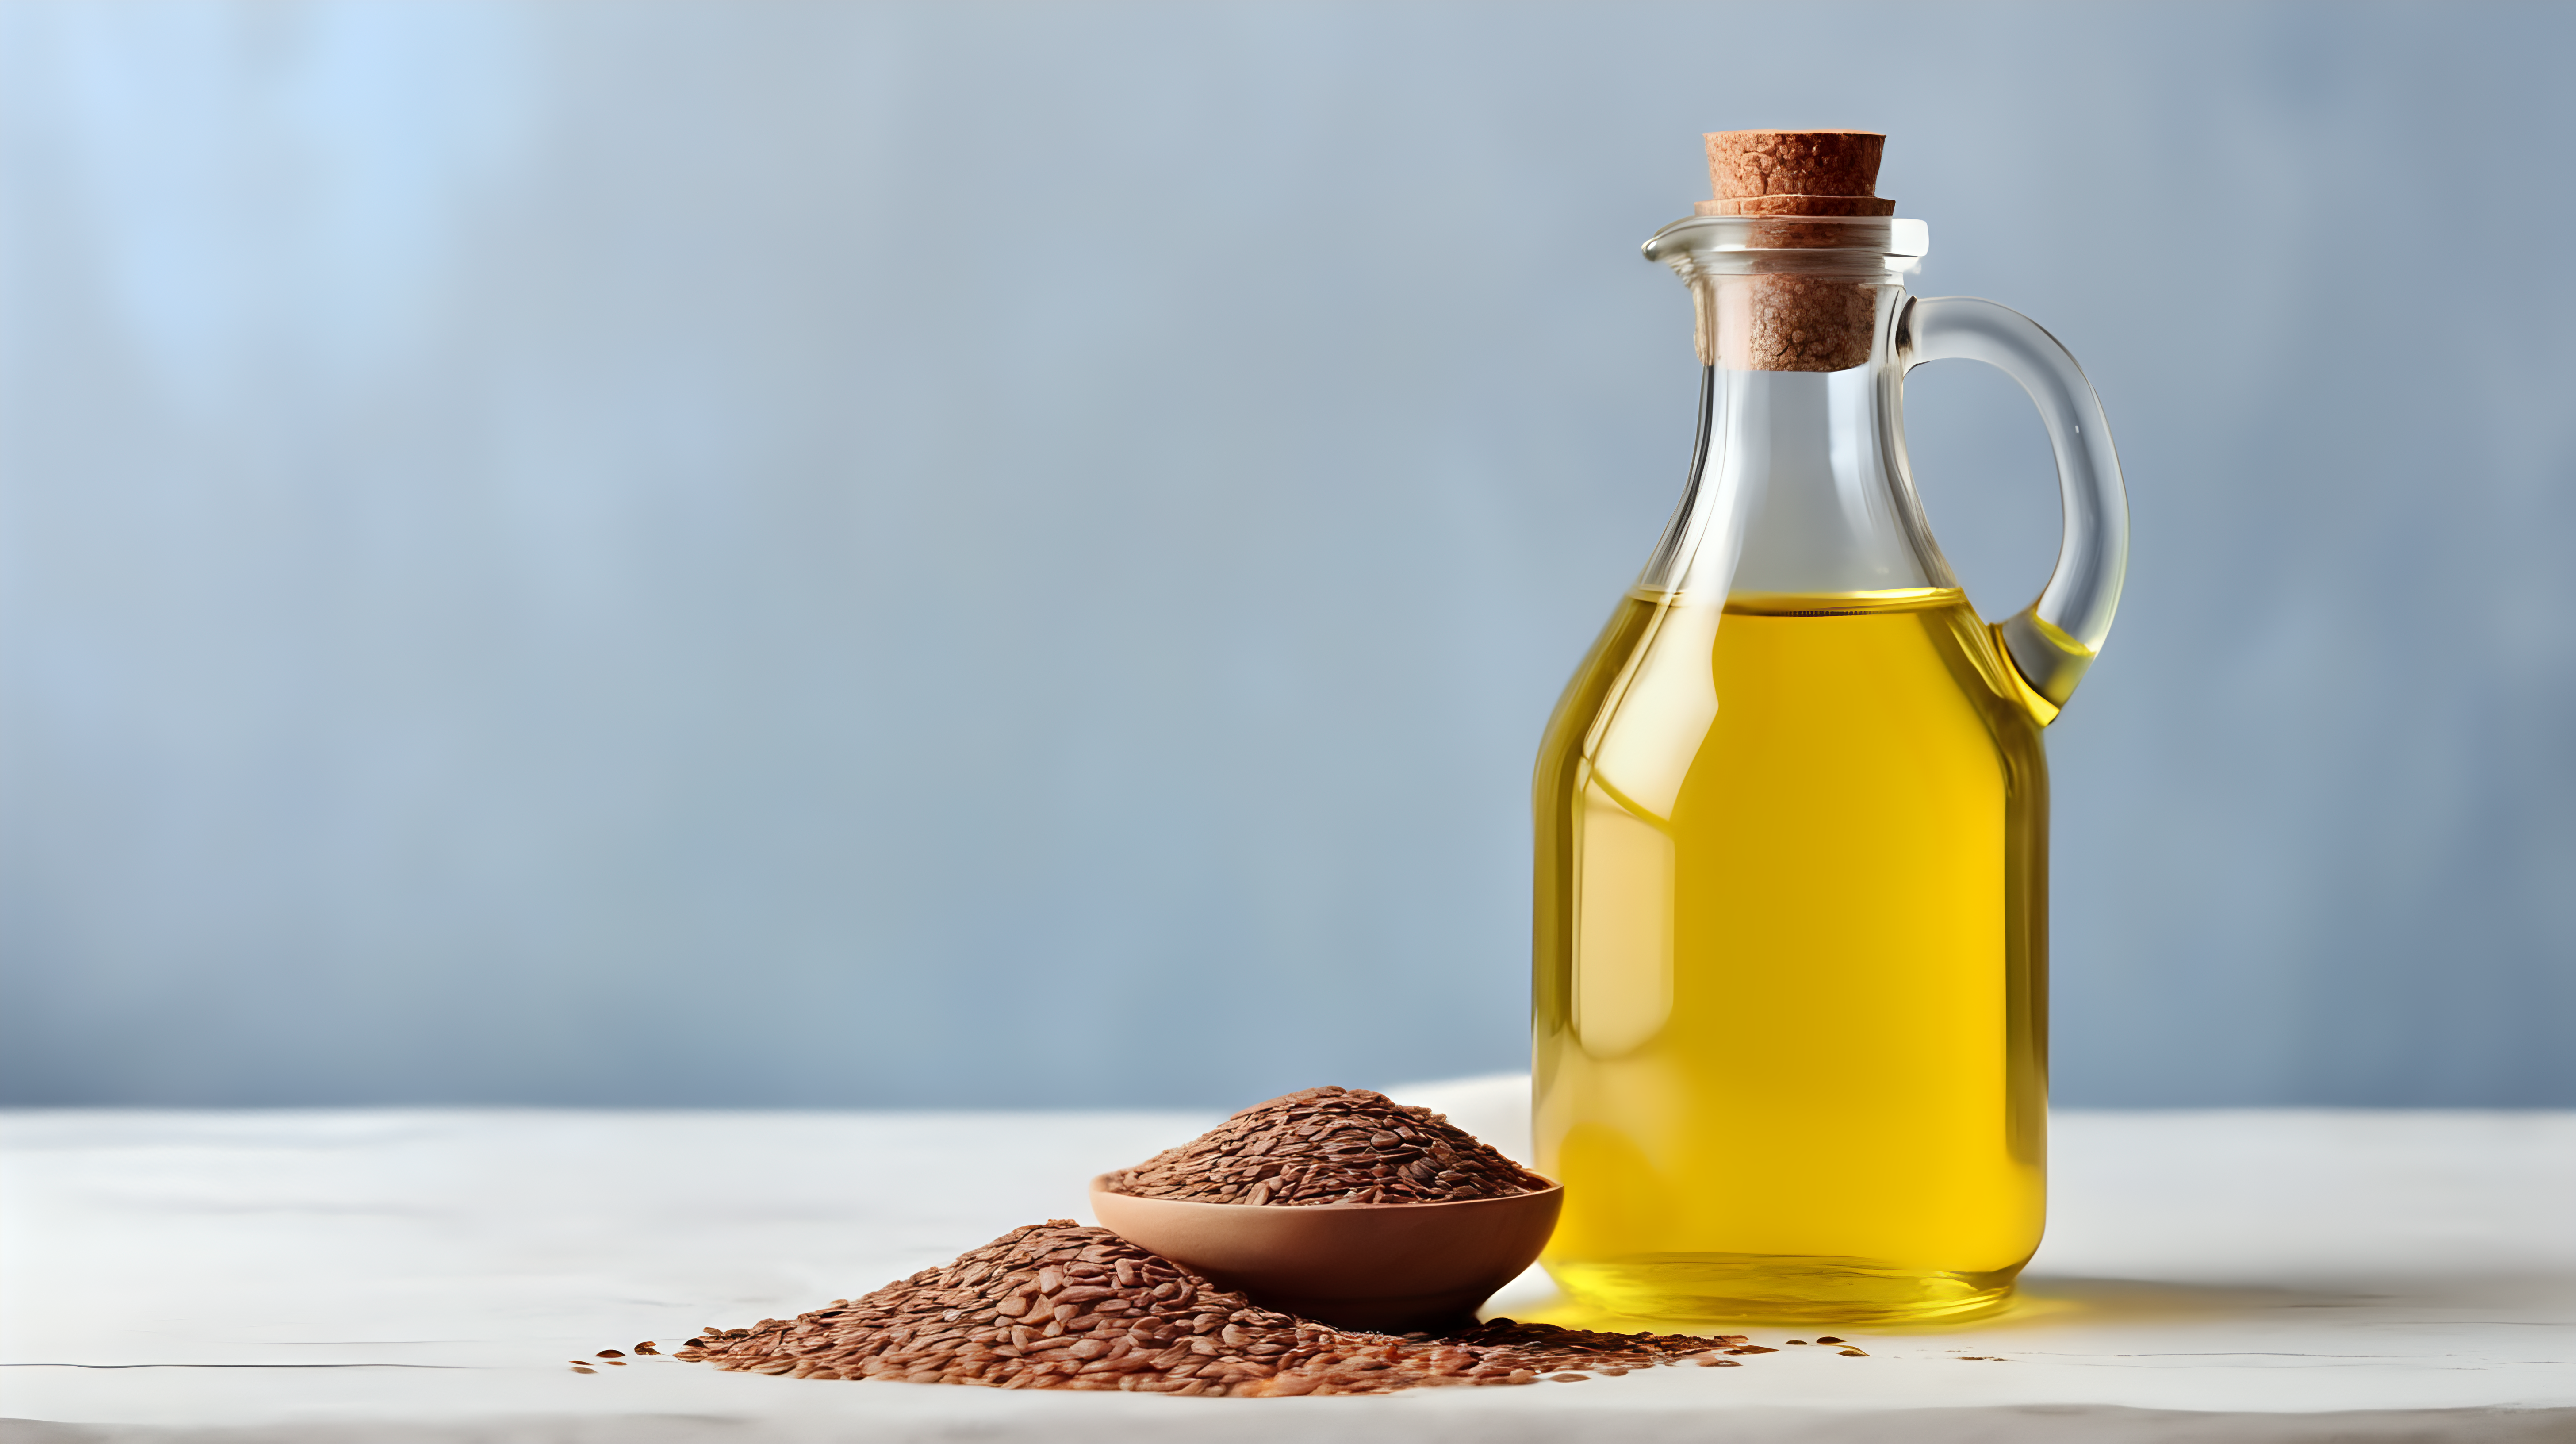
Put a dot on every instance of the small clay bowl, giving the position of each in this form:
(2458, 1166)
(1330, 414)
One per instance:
(1385, 1266)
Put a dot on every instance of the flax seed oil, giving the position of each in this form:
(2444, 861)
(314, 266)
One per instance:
(1790, 1004)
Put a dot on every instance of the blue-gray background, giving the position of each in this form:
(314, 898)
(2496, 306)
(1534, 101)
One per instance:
(1017, 554)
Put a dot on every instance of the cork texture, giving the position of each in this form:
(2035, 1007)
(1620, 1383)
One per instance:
(1794, 162)
(1794, 322)
(1798, 206)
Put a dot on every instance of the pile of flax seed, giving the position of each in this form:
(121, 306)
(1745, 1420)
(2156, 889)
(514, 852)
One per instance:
(1060, 1306)
(1330, 1145)
(1056, 1305)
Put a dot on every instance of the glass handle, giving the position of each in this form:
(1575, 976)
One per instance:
(2054, 639)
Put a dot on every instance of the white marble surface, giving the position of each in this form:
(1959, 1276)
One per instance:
(426, 1276)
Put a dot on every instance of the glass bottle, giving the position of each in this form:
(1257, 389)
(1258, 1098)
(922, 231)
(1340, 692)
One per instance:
(1791, 924)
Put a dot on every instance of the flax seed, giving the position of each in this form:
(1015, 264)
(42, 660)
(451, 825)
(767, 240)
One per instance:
(1329, 1145)
(1154, 1328)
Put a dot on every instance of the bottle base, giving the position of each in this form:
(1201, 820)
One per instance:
(1770, 1288)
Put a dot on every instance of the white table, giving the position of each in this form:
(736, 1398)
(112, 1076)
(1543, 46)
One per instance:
(425, 1276)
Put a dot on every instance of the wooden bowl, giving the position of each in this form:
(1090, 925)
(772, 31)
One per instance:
(1386, 1266)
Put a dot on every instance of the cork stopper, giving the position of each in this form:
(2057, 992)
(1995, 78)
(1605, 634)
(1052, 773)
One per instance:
(1794, 322)
(1795, 173)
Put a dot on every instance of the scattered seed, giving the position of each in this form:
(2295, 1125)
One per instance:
(578, 1369)
(612, 1353)
(646, 1347)
(1152, 1326)
(1795, 1341)
(1853, 1354)
(1827, 1339)
(1569, 1378)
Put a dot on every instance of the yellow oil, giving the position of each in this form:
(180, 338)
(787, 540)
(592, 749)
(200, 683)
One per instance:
(1790, 1006)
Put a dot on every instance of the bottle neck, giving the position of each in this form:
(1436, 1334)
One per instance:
(1798, 486)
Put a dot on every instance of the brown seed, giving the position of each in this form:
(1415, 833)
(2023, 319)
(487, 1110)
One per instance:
(1155, 1328)
(1329, 1145)
(578, 1369)
(1852, 1354)
(612, 1353)
(1827, 1339)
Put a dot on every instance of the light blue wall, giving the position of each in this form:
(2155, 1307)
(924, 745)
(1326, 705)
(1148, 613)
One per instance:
(970, 553)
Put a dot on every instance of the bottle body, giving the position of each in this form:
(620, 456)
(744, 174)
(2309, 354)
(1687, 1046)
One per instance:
(1790, 953)
(1790, 994)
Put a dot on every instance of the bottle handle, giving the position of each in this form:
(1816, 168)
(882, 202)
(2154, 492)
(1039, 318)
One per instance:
(2051, 641)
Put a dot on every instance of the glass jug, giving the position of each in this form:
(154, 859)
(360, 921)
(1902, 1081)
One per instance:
(1791, 923)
